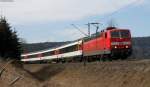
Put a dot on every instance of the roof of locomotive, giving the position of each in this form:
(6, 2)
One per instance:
(104, 30)
(114, 29)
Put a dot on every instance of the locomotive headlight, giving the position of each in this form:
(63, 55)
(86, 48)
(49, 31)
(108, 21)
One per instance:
(127, 46)
(115, 46)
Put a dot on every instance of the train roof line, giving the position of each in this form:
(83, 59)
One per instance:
(51, 49)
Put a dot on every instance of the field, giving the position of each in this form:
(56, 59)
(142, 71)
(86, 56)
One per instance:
(126, 73)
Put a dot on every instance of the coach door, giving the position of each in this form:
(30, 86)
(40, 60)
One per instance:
(40, 56)
(56, 53)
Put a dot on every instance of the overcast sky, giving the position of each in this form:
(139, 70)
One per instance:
(50, 20)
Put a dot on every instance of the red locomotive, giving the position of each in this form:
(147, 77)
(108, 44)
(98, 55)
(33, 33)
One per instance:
(111, 43)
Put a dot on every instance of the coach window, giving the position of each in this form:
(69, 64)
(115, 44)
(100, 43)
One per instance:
(78, 46)
(62, 50)
(48, 53)
(75, 47)
(98, 34)
(32, 56)
(52, 53)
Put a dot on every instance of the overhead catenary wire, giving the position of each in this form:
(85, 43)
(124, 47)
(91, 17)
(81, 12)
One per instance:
(111, 14)
(120, 9)
(79, 30)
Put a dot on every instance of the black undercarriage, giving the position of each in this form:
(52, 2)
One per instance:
(121, 53)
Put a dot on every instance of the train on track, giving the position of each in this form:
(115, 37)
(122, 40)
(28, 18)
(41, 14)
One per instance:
(108, 44)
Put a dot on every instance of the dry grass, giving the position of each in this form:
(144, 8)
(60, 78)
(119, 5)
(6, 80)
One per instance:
(96, 74)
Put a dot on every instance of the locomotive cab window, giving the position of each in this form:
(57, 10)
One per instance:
(115, 34)
(124, 34)
(120, 34)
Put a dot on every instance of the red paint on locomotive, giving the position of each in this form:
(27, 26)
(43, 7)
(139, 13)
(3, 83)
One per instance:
(108, 41)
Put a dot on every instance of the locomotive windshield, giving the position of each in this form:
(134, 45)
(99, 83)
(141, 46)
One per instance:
(120, 34)
(124, 34)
